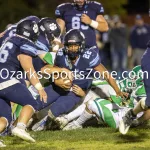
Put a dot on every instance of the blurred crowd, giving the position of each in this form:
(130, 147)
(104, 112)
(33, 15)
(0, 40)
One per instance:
(122, 47)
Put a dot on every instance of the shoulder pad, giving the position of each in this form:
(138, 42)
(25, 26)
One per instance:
(96, 6)
(60, 10)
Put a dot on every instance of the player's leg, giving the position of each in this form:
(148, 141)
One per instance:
(63, 120)
(52, 95)
(101, 109)
(64, 104)
(19, 94)
(5, 115)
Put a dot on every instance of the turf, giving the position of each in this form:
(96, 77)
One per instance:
(85, 139)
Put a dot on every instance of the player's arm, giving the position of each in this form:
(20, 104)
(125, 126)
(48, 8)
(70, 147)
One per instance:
(103, 71)
(61, 23)
(99, 24)
(26, 63)
(102, 24)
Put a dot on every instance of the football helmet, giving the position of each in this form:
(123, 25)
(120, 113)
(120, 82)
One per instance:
(74, 37)
(28, 29)
(50, 28)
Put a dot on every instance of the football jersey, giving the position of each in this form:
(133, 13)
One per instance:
(9, 63)
(72, 17)
(83, 66)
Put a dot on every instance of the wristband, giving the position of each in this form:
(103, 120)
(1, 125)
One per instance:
(39, 86)
(94, 24)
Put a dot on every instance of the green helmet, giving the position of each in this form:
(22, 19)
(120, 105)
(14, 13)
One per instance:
(136, 76)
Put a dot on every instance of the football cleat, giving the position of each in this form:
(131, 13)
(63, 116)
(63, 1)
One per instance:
(21, 133)
(72, 126)
(126, 122)
(61, 121)
(40, 126)
(2, 144)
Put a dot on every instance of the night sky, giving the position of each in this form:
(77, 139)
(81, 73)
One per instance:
(137, 6)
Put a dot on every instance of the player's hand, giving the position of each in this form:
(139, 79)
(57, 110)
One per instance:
(60, 82)
(123, 95)
(86, 19)
(43, 95)
(78, 91)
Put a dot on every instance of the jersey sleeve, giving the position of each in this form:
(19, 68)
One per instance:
(98, 8)
(94, 59)
(28, 50)
(59, 12)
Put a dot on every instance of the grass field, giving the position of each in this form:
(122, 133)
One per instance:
(85, 139)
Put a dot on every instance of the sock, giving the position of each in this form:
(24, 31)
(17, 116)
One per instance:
(75, 113)
(21, 125)
(84, 117)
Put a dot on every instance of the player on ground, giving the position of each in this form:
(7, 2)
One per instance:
(111, 111)
(103, 90)
(83, 15)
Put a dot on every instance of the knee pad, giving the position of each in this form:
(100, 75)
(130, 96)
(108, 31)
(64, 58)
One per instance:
(142, 103)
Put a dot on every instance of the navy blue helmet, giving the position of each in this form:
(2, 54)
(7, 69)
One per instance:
(50, 28)
(28, 29)
(74, 37)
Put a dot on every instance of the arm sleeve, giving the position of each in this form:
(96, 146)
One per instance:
(28, 50)
(99, 8)
(59, 11)
(94, 60)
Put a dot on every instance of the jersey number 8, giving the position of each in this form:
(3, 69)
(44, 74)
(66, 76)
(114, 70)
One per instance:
(76, 24)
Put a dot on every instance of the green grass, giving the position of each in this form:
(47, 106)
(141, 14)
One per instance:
(85, 139)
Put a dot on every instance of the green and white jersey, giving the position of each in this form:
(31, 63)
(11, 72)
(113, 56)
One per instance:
(111, 112)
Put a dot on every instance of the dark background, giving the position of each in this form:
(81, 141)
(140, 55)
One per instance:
(12, 11)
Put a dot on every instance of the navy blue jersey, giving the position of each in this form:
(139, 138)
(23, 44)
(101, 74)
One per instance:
(69, 13)
(42, 44)
(88, 60)
(14, 46)
(8, 33)
(43, 47)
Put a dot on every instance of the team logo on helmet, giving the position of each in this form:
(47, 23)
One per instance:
(35, 28)
(53, 26)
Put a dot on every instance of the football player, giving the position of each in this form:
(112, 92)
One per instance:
(103, 90)
(111, 110)
(15, 56)
(83, 15)
(76, 58)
